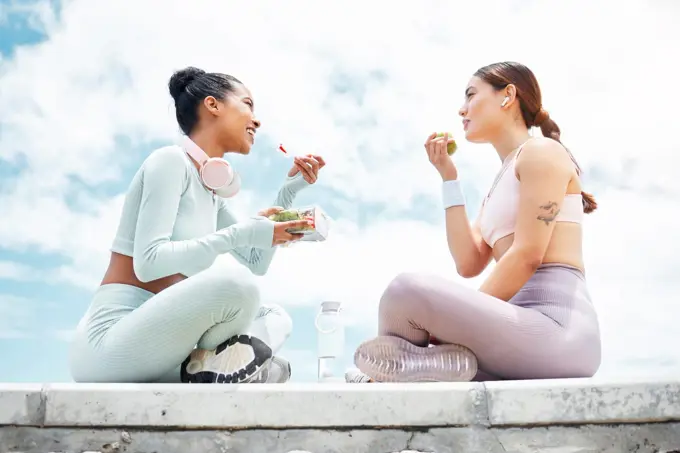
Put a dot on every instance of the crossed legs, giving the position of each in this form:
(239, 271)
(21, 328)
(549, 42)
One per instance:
(481, 336)
(203, 329)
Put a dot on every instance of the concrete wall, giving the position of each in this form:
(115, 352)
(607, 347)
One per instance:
(557, 416)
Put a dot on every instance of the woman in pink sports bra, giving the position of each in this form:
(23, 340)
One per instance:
(532, 317)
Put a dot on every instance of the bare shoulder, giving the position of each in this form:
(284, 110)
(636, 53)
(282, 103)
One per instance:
(544, 153)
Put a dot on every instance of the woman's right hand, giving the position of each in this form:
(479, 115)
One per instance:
(281, 234)
(439, 158)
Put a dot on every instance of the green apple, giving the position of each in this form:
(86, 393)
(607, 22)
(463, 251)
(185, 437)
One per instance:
(451, 147)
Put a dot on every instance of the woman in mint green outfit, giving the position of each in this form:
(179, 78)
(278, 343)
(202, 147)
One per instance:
(163, 311)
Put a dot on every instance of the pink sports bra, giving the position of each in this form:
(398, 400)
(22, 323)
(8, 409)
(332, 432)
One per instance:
(499, 212)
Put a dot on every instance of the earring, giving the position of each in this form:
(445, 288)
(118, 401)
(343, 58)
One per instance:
(505, 101)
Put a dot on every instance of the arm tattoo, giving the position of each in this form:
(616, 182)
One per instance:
(549, 212)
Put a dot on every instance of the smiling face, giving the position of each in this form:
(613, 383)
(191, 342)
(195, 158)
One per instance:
(482, 112)
(217, 106)
(235, 121)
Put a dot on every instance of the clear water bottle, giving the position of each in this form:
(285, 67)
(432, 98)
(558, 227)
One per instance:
(330, 333)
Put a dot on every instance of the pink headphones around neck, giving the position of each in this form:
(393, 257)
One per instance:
(216, 173)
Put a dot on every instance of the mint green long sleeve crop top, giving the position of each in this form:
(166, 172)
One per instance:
(170, 223)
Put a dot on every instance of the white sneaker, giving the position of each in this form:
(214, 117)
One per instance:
(355, 376)
(392, 359)
(277, 372)
(237, 360)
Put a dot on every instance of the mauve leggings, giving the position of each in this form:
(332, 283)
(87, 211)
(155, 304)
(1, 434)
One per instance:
(549, 329)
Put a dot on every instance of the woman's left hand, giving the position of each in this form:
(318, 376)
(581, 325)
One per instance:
(309, 165)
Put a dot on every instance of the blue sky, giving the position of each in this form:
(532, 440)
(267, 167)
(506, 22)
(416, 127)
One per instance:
(83, 100)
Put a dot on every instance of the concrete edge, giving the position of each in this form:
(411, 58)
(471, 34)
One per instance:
(582, 402)
(40, 410)
(326, 406)
(489, 404)
(22, 404)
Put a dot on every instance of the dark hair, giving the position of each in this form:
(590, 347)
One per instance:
(189, 86)
(500, 75)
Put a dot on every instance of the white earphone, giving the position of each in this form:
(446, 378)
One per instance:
(505, 101)
(216, 173)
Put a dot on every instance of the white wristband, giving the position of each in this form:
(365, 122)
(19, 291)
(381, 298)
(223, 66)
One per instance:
(452, 194)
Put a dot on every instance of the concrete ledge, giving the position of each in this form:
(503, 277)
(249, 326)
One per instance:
(556, 416)
(21, 404)
(582, 401)
(509, 403)
(265, 405)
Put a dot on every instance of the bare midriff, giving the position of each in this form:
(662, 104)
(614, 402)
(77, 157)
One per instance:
(121, 271)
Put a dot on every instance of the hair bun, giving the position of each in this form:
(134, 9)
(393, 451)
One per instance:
(181, 79)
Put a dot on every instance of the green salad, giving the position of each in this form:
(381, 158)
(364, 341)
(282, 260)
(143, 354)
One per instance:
(292, 214)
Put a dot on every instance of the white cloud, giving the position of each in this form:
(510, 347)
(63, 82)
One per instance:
(102, 75)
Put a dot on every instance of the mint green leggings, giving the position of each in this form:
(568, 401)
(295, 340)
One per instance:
(131, 335)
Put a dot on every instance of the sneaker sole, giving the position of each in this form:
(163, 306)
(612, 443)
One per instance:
(393, 359)
(357, 377)
(286, 370)
(224, 364)
(277, 367)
